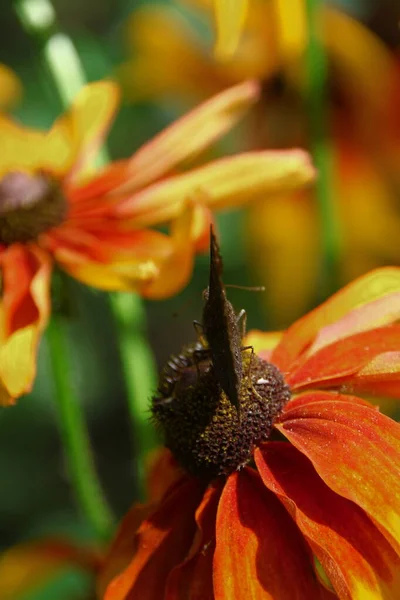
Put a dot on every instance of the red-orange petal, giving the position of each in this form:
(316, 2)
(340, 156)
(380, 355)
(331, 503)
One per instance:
(381, 283)
(338, 362)
(357, 558)
(378, 313)
(123, 547)
(162, 471)
(162, 542)
(18, 267)
(381, 377)
(24, 312)
(260, 553)
(355, 450)
(193, 579)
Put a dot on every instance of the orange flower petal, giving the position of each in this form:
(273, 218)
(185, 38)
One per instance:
(382, 311)
(162, 474)
(259, 553)
(193, 579)
(162, 471)
(381, 376)
(27, 566)
(24, 313)
(78, 134)
(337, 363)
(189, 136)
(162, 542)
(230, 17)
(355, 450)
(378, 284)
(224, 183)
(152, 263)
(123, 546)
(357, 558)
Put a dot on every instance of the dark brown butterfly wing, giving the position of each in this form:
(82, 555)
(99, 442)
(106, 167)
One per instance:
(221, 329)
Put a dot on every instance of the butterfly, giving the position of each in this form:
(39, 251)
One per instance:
(220, 326)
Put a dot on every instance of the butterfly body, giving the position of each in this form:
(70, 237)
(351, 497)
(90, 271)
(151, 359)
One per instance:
(221, 329)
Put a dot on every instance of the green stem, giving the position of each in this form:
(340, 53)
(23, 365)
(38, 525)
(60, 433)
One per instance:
(75, 435)
(139, 372)
(318, 122)
(64, 64)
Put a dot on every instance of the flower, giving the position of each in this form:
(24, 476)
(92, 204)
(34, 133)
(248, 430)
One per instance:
(30, 565)
(284, 237)
(313, 511)
(95, 225)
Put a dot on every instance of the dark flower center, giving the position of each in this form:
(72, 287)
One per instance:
(29, 205)
(206, 434)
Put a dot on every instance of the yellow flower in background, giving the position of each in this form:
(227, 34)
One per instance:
(230, 16)
(10, 87)
(55, 209)
(169, 60)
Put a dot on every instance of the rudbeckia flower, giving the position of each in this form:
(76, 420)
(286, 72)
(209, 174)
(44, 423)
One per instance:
(284, 237)
(55, 209)
(299, 497)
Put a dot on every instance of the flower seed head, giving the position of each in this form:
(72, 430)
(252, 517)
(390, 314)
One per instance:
(205, 432)
(29, 205)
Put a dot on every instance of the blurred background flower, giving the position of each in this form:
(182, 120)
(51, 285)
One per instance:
(171, 60)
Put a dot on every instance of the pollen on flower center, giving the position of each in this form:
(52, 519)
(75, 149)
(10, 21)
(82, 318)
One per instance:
(29, 205)
(199, 424)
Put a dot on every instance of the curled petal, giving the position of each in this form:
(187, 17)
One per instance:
(27, 566)
(230, 17)
(260, 553)
(161, 542)
(24, 312)
(190, 135)
(224, 183)
(193, 580)
(354, 449)
(358, 560)
(339, 362)
(379, 284)
(162, 474)
(123, 546)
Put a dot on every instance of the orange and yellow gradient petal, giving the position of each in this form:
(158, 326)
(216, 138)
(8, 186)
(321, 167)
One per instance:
(24, 312)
